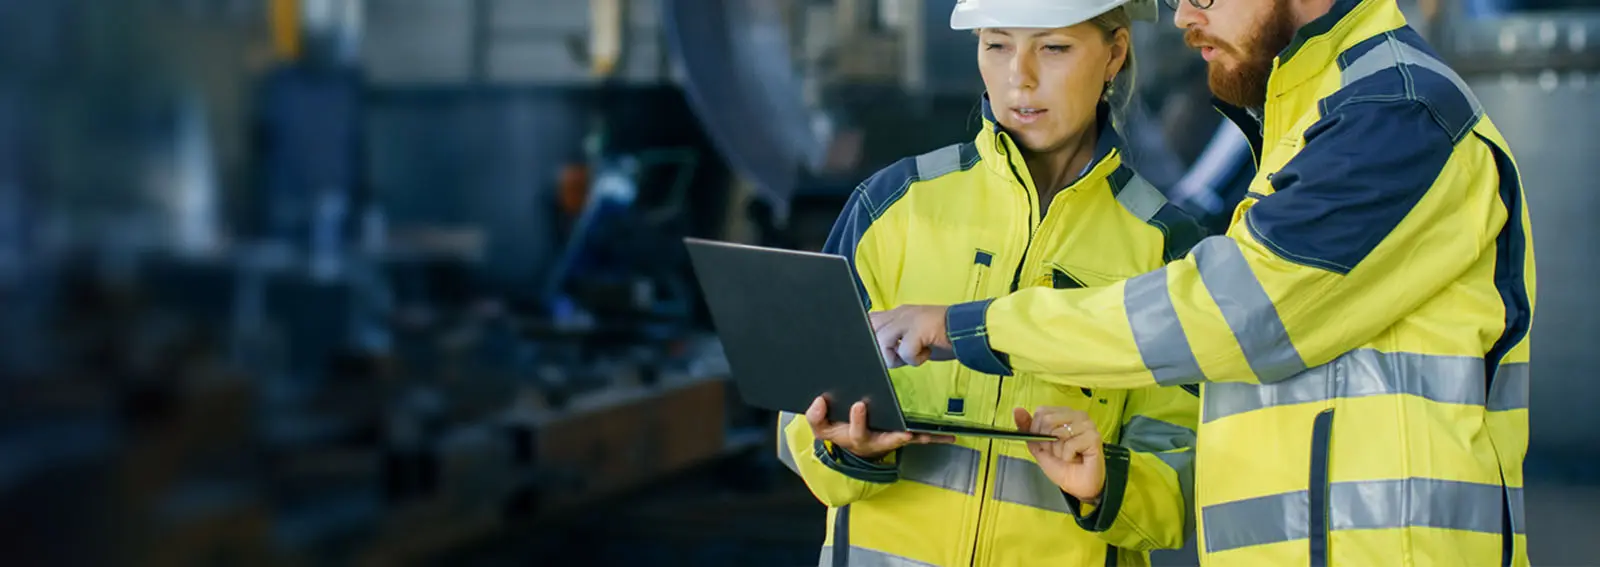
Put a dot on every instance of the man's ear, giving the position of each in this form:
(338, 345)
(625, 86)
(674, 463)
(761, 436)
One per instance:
(1120, 44)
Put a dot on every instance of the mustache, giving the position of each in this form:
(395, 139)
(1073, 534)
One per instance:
(1195, 39)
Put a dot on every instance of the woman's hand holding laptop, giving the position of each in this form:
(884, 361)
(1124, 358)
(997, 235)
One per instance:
(855, 437)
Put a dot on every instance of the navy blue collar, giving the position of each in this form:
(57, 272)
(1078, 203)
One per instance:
(1247, 122)
(1319, 26)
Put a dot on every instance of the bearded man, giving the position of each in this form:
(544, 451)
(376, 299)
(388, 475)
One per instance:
(1360, 334)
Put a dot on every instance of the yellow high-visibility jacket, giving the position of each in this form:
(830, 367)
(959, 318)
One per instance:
(964, 223)
(1360, 331)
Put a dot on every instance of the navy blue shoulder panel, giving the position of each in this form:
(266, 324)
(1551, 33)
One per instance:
(1400, 65)
(1381, 143)
(1360, 173)
(873, 197)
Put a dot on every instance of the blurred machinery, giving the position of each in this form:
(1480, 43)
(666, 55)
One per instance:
(806, 99)
(222, 345)
(390, 276)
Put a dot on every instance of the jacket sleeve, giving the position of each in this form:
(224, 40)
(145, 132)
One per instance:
(835, 476)
(1149, 474)
(1380, 210)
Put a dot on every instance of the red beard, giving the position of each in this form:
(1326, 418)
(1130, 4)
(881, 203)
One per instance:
(1244, 83)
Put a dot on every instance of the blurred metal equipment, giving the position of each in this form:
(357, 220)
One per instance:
(739, 75)
(807, 98)
(1536, 69)
(216, 351)
(513, 42)
(618, 243)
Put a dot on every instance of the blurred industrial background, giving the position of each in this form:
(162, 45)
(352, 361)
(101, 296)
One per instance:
(375, 282)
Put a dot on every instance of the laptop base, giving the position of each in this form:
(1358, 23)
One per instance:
(971, 431)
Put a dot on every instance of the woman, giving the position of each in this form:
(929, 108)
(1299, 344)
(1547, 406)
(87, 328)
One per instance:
(1040, 198)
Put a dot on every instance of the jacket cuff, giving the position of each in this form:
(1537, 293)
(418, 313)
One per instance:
(855, 467)
(1102, 516)
(968, 327)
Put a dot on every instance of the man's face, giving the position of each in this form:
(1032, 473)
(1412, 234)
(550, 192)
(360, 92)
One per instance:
(1238, 39)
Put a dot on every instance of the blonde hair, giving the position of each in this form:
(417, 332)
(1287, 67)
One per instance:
(1120, 92)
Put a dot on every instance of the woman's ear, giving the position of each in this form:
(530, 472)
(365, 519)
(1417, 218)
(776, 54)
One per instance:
(1119, 53)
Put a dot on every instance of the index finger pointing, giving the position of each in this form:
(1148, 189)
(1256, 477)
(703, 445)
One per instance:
(878, 319)
(888, 343)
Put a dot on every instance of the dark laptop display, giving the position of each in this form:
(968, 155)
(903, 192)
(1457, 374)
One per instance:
(793, 327)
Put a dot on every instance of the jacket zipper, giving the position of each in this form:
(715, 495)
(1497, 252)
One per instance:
(1319, 486)
(983, 498)
(1033, 226)
(1016, 279)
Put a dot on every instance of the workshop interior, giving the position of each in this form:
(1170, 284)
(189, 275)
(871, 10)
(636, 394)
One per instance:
(399, 282)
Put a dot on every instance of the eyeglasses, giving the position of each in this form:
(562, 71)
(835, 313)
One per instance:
(1199, 4)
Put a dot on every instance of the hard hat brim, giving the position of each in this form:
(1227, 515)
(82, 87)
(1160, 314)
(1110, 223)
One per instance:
(975, 15)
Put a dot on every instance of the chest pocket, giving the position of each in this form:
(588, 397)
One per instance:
(977, 288)
(1060, 279)
(1061, 276)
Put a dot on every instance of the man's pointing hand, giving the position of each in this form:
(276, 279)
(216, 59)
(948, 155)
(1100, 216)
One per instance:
(912, 334)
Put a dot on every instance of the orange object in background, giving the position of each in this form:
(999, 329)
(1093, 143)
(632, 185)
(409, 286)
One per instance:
(573, 188)
(285, 24)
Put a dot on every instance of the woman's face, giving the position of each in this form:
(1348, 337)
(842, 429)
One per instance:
(1044, 84)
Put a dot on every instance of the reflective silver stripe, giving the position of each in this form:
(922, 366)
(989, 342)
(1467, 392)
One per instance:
(1519, 522)
(1392, 54)
(1141, 199)
(951, 467)
(1256, 521)
(1182, 462)
(1510, 388)
(1249, 312)
(1415, 502)
(784, 454)
(1376, 60)
(1360, 373)
(1163, 440)
(1153, 435)
(1161, 341)
(863, 557)
(939, 162)
(1364, 505)
(1019, 481)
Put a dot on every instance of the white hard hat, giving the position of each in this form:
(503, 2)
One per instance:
(976, 14)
